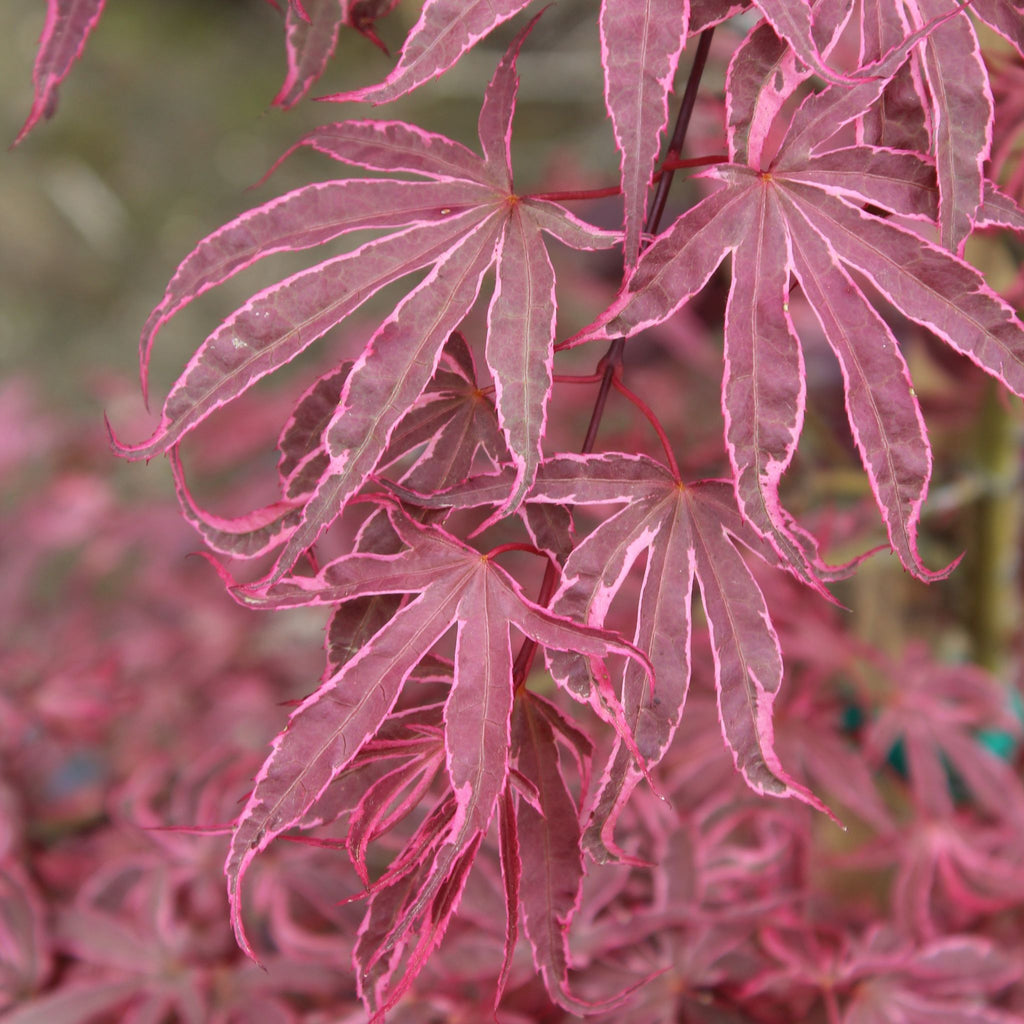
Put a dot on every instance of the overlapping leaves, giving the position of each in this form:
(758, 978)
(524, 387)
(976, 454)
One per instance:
(802, 217)
(690, 533)
(465, 219)
(454, 586)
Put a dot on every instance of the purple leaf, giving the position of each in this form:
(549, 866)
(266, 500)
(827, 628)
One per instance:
(961, 115)
(520, 338)
(549, 898)
(455, 586)
(395, 146)
(311, 37)
(884, 413)
(640, 48)
(301, 219)
(281, 321)
(67, 26)
(445, 31)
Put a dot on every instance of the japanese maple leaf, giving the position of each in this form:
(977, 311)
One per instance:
(311, 35)
(951, 872)
(455, 586)
(461, 222)
(940, 102)
(640, 48)
(689, 531)
(799, 217)
(67, 26)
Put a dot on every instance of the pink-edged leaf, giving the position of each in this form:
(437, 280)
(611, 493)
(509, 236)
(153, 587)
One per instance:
(748, 661)
(445, 31)
(476, 716)
(688, 530)
(281, 321)
(388, 377)
(67, 26)
(327, 730)
(511, 876)
(762, 75)
(961, 116)
(677, 265)
(663, 630)
(926, 283)
(549, 845)
(1003, 17)
(763, 385)
(551, 530)
(303, 432)
(902, 183)
(520, 338)
(494, 126)
(884, 413)
(395, 146)
(999, 210)
(310, 38)
(640, 48)
(558, 222)
(794, 23)
(301, 219)
(247, 536)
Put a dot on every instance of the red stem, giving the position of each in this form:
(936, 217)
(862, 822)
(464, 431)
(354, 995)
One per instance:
(571, 194)
(652, 419)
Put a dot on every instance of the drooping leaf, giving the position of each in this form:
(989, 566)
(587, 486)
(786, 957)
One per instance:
(310, 39)
(690, 533)
(640, 48)
(67, 26)
(455, 586)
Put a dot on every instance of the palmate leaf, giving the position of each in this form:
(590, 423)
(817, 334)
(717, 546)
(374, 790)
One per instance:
(640, 48)
(454, 586)
(800, 217)
(690, 533)
(464, 220)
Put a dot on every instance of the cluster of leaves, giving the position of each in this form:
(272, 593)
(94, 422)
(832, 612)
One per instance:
(135, 697)
(857, 136)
